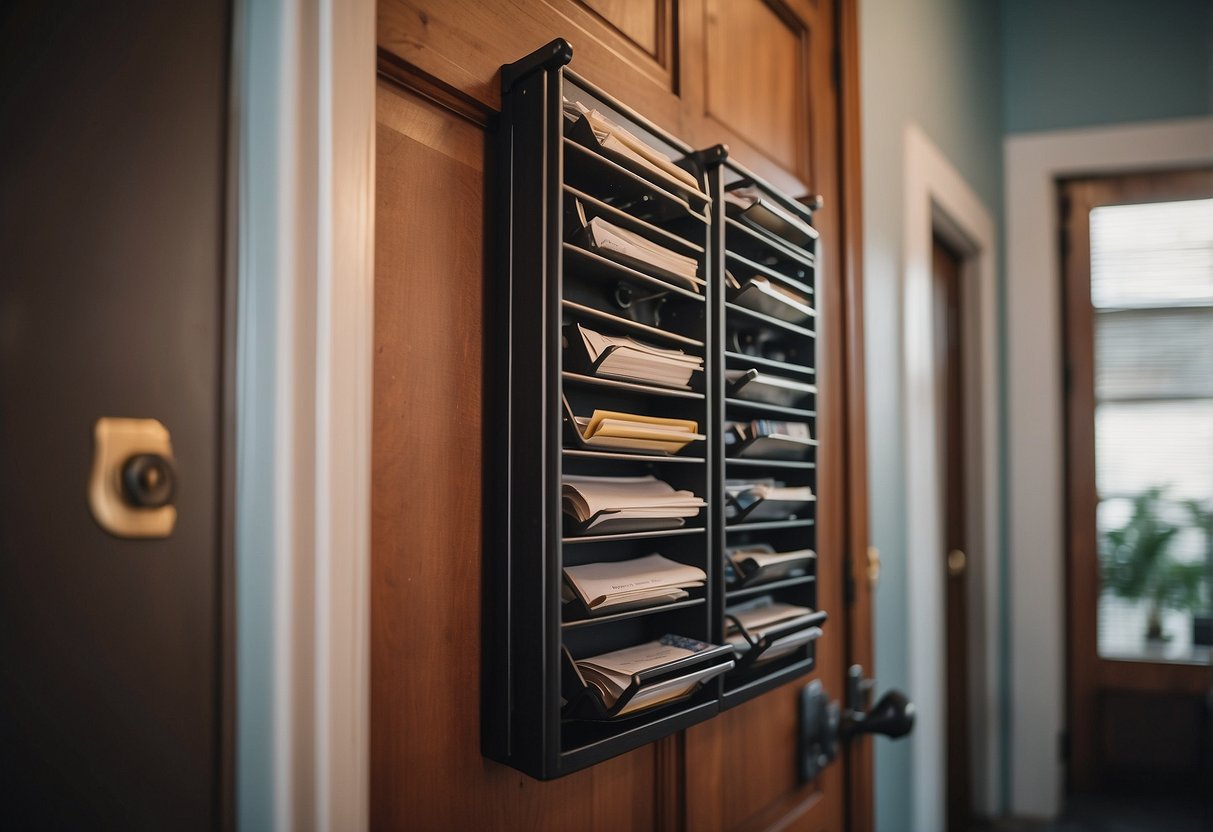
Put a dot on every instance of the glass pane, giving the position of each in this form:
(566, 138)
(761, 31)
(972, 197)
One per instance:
(1152, 289)
(1154, 353)
(1160, 253)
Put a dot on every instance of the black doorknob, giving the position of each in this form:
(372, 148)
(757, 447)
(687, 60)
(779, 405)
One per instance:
(893, 716)
(148, 481)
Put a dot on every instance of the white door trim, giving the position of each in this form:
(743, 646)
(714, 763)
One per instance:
(939, 201)
(1033, 164)
(305, 109)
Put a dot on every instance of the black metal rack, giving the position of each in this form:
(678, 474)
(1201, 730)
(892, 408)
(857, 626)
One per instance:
(538, 715)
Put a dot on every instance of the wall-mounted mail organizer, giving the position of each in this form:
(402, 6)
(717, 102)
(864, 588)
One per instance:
(652, 493)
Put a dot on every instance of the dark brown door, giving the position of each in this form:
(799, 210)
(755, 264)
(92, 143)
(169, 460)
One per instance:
(113, 140)
(946, 272)
(1138, 296)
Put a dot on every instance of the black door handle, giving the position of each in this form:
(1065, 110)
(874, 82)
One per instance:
(892, 716)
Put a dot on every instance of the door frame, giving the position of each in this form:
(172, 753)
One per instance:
(303, 92)
(938, 201)
(1035, 497)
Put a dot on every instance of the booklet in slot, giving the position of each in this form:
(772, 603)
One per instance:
(756, 386)
(768, 215)
(761, 295)
(602, 522)
(582, 612)
(582, 700)
(584, 237)
(777, 640)
(697, 201)
(774, 446)
(577, 359)
(769, 573)
(575, 439)
(746, 507)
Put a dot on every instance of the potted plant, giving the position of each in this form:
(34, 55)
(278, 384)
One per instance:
(1202, 619)
(1137, 565)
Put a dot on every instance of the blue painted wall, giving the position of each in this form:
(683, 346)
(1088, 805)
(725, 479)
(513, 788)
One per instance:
(1078, 63)
(935, 63)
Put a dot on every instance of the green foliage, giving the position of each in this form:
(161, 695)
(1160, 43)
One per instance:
(1136, 564)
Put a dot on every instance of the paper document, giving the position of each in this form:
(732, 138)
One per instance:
(630, 431)
(632, 582)
(600, 499)
(618, 140)
(611, 673)
(635, 360)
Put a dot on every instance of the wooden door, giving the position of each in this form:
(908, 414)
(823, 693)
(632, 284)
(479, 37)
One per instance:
(112, 228)
(1138, 330)
(757, 75)
(949, 369)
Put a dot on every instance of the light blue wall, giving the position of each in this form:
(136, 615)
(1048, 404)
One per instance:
(935, 63)
(1078, 63)
(968, 72)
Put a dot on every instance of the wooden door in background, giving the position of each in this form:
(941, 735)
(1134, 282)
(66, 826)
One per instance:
(1138, 715)
(757, 75)
(949, 373)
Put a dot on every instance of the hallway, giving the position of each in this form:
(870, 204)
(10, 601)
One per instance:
(1109, 814)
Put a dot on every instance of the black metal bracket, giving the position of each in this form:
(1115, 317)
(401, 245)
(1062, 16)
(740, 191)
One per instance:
(555, 54)
(819, 731)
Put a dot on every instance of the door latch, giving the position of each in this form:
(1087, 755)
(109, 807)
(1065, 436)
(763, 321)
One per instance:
(133, 480)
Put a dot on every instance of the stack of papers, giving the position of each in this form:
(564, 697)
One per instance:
(759, 562)
(762, 295)
(632, 432)
(634, 360)
(611, 673)
(629, 584)
(639, 252)
(758, 618)
(612, 137)
(603, 502)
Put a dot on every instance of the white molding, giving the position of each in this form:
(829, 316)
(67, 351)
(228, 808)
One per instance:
(1033, 163)
(345, 358)
(306, 124)
(937, 199)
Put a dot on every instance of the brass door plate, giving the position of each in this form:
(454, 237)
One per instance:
(115, 441)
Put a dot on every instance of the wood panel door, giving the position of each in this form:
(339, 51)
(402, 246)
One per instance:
(1138, 321)
(677, 63)
(949, 369)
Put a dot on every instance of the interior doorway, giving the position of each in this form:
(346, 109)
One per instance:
(940, 204)
(946, 268)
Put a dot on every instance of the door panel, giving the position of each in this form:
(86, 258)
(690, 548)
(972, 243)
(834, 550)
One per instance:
(753, 54)
(111, 239)
(427, 521)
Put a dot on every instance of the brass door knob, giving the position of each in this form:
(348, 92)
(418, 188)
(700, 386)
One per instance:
(957, 561)
(873, 566)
